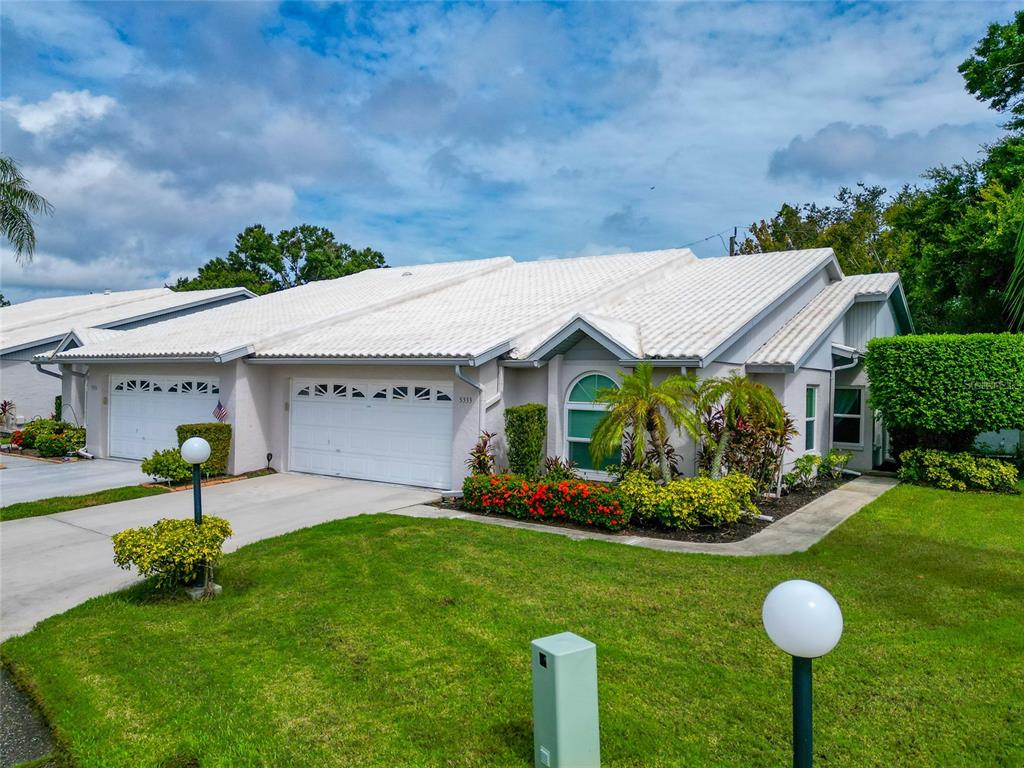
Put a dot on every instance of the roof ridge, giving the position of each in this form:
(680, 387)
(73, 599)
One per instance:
(593, 303)
(494, 264)
(72, 312)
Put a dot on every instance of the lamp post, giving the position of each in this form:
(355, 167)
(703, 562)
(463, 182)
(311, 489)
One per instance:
(195, 451)
(804, 620)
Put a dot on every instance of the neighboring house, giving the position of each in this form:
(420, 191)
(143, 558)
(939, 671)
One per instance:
(391, 374)
(34, 327)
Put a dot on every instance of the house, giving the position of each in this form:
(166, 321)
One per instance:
(391, 374)
(33, 327)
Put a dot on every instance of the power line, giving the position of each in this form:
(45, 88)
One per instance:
(716, 234)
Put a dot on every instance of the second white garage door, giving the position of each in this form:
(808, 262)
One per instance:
(391, 431)
(145, 411)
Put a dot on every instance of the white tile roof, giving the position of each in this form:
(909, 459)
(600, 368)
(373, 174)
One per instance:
(794, 340)
(42, 320)
(689, 313)
(660, 304)
(260, 320)
(513, 305)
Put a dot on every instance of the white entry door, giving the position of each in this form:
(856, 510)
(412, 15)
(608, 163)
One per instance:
(145, 411)
(391, 431)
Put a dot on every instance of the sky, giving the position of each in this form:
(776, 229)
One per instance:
(435, 132)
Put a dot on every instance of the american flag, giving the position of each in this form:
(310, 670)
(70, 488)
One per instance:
(220, 412)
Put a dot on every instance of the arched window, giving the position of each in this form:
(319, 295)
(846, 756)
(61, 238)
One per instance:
(582, 415)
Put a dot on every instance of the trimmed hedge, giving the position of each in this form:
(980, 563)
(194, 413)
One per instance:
(173, 551)
(688, 502)
(942, 390)
(586, 503)
(957, 471)
(218, 436)
(526, 428)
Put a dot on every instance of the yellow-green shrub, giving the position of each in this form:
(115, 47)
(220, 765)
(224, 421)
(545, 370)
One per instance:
(957, 471)
(687, 502)
(173, 551)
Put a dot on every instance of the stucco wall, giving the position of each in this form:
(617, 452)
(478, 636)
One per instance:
(31, 391)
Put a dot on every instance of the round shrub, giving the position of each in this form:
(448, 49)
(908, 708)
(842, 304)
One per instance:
(688, 502)
(50, 445)
(172, 551)
(167, 466)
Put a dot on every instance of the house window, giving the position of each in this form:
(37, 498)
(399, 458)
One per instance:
(810, 417)
(847, 415)
(582, 415)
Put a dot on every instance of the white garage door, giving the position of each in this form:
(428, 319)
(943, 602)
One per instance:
(145, 411)
(392, 431)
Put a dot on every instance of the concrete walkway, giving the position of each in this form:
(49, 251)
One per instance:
(794, 533)
(31, 479)
(52, 563)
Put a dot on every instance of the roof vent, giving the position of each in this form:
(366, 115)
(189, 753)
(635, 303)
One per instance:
(407, 274)
(106, 292)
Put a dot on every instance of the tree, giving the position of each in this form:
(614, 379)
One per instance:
(647, 410)
(1015, 288)
(264, 263)
(740, 400)
(18, 204)
(856, 228)
(3, 301)
(995, 73)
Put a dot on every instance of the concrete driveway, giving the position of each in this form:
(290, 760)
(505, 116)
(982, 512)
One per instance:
(49, 564)
(28, 479)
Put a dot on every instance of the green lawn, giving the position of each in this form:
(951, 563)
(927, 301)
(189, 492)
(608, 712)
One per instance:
(66, 503)
(386, 641)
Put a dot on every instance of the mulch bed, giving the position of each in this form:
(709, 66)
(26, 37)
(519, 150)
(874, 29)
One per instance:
(776, 508)
(186, 485)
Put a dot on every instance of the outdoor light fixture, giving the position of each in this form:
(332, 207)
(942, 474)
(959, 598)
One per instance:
(270, 457)
(804, 620)
(195, 451)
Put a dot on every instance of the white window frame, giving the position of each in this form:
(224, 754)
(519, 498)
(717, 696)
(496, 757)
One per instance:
(859, 417)
(590, 474)
(811, 420)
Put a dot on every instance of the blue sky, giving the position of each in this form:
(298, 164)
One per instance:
(436, 132)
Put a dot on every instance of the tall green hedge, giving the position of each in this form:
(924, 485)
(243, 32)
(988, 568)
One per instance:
(218, 436)
(526, 428)
(942, 390)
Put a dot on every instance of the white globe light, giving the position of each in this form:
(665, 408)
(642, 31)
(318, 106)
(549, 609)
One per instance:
(802, 618)
(195, 450)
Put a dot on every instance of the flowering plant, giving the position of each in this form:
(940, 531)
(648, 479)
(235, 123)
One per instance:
(591, 504)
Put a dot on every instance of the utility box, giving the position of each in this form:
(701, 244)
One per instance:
(565, 726)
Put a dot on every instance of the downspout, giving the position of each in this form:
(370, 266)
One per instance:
(39, 367)
(479, 388)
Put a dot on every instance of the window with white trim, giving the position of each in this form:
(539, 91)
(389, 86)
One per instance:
(847, 416)
(582, 415)
(810, 417)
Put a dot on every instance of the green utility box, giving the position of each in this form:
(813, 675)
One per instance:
(565, 727)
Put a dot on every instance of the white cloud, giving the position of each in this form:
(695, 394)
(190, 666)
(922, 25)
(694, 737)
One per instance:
(61, 111)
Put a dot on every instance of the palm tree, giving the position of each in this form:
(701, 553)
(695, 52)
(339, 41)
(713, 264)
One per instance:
(18, 203)
(647, 410)
(740, 399)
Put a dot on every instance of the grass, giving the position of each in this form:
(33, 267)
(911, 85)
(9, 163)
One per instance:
(66, 503)
(388, 641)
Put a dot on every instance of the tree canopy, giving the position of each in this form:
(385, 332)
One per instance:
(264, 263)
(952, 236)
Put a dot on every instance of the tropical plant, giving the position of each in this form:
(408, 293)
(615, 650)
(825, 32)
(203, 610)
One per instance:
(18, 204)
(804, 473)
(647, 412)
(740, 401)
(556, 468)
(833, 463)
(756, 448)
(481, 458)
